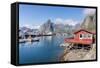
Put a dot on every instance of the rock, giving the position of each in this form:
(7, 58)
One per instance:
(80, 54)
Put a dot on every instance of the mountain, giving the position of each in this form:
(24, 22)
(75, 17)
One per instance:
(63, 28)
(77, 26)
(69, 28)
(25, 29)
(89, 23)
(47, 27)
(59, 27)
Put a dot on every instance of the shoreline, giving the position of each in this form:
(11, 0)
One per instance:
(79, 54)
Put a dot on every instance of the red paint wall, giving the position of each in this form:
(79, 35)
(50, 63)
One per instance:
(77, 36)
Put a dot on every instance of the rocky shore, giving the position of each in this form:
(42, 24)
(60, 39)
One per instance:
(79, 54)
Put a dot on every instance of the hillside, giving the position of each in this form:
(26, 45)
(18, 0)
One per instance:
(89, 23)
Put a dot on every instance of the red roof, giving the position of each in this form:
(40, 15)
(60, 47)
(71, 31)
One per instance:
(85, 31)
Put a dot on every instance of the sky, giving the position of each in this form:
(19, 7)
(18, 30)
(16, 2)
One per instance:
(36, 15)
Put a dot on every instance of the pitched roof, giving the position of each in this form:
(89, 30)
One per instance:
(85, 31)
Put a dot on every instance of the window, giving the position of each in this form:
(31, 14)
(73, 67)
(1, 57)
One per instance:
(85, 36)
(80, 36)
(90, 36)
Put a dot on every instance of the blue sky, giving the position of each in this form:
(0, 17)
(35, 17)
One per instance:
(34, 15)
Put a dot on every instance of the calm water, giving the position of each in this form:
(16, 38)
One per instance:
(46, 50)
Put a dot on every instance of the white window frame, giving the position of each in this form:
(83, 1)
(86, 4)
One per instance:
(85, 36)
(90, 36)
(81, 37)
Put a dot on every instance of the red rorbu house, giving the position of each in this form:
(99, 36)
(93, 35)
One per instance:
(81, 36)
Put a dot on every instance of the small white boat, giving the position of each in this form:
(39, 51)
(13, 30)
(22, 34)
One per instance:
(36, 38)
(64, 45)
(28, 40)
(22, 40)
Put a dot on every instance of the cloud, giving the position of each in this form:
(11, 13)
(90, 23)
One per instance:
(27, 25)
(66, 21)
(59, 21)
(36, 27)
(31, 26)
(89, 11)
(71, 22)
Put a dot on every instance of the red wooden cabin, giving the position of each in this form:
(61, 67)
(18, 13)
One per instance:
(81, 37)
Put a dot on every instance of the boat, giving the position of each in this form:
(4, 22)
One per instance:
(35, 39)
(29, 40)
(22, 40)
(64, 45)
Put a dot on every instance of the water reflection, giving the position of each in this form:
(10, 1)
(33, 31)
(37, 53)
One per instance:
(46, 50)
